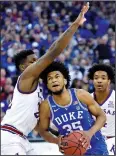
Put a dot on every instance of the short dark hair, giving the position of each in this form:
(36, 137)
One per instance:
(56, 66)
(20, 57)
(101, 67)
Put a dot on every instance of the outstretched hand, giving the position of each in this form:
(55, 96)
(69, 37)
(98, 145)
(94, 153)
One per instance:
(81, 19)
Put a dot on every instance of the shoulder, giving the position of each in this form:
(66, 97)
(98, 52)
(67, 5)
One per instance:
(82, 92)
(44, 107)
(84, 96)
(44, 103)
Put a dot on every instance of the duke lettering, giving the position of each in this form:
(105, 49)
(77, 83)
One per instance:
(69, 117)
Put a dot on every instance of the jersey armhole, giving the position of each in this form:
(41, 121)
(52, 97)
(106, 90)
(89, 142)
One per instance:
(82, 105)
(51, 111)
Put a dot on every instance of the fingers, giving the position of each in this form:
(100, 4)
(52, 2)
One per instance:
(61, 149)
(85, 8)
(60, 144)
(84, 141)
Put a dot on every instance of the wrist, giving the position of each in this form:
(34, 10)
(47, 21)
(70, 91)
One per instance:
(91, 132)
(56, 141)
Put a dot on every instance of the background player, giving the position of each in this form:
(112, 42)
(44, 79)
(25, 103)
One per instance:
(102, 76)
(23, 113)
(70, 110)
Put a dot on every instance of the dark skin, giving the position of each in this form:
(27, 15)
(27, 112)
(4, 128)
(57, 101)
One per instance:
(63, 99)
(32, 66)
(102, 85)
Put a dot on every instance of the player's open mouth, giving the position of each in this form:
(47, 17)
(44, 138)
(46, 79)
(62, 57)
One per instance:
(55, 86)
(100, 86)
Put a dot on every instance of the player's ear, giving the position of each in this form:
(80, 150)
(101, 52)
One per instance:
(109, 82)
(65, 81)
(21, 66)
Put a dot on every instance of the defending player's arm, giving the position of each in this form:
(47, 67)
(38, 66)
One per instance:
(43, 124)
(95, 110)
(32, 72)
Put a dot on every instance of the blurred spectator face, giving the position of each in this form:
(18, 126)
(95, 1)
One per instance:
(8, 11)
(26, 38)
(75, 61)
(104, 39)
(112, 43)
(37, 28)
(77, 84)
(63, 12)
(19, 20)
(8, 88)
(14, 11)
(3, 73)
(2, 78)
(83, 62)
(8, 81)
(9, 59)
(8, 37)
(61, 57)
(7, 21)
(52, 28)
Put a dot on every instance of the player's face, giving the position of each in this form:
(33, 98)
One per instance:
(56, 82)
(29, 60)
(101, 81)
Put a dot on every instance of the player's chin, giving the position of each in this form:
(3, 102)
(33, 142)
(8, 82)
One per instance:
(57, 92)
(100, 89)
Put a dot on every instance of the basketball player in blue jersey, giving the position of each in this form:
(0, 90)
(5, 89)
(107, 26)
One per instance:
(70, 110)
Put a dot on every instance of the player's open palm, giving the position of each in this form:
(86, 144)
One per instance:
(81, 19)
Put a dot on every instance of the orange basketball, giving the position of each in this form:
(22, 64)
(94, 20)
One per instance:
(72, 144)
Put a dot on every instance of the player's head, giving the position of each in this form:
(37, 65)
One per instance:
(24, 58)
(102, 75)
(56, 77)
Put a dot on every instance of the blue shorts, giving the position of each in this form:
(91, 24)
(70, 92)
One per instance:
(96, 152)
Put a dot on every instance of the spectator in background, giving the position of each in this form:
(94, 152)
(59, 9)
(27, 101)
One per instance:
(103, 51)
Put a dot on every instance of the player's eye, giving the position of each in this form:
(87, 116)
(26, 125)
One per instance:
(49, 78)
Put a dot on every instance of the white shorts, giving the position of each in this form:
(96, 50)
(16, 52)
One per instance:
(111, 146)
(12, 144)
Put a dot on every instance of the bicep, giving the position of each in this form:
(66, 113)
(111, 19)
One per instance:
(44, 117)
(92, 105)
(94, 108)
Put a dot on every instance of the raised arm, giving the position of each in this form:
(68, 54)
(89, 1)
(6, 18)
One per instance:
(32, 72)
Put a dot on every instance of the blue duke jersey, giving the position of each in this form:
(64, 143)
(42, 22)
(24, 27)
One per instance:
(75, 116)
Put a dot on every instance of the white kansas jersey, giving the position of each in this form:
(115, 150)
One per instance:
(108, 106)
(23, 111)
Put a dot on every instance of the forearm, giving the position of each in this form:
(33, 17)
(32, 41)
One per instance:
(49, 137)
(99, 123)
(61, 43)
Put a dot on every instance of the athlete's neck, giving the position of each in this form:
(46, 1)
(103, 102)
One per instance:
(63, 98)
(101, 96)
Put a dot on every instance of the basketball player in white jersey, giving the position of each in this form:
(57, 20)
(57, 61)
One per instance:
(102, 76)
(22, 115)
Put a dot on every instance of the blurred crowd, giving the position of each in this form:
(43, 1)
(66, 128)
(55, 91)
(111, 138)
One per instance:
(36, 25)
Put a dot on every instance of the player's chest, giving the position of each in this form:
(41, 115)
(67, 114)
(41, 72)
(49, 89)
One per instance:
(109, 107)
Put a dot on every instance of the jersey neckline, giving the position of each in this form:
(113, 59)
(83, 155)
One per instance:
(65, 105)
(105, 99)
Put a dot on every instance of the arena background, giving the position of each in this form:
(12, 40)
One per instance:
(35, 25)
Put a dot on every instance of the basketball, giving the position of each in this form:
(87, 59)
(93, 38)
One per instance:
(72, 144)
